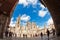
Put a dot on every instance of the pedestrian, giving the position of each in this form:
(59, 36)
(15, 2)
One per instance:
(10, 34)
(6, 33)
(48, 33)
(53, 31)
(41, 35)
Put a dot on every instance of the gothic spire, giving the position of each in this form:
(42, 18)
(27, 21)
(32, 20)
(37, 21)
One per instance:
(18, 21)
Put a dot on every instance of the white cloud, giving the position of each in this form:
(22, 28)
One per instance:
(42, 13)
(12, 23)
(26, 2)
(32, 2)
(50, 21)
(41, 5)
(25, 17)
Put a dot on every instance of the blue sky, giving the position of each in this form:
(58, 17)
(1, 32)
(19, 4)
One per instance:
(32, 11)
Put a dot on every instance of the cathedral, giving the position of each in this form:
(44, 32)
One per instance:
(30, 30)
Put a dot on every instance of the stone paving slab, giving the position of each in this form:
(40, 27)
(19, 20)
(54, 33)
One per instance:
(29, 39)
(35, 38)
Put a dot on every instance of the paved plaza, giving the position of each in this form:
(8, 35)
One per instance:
(29, 39)
(34, 38)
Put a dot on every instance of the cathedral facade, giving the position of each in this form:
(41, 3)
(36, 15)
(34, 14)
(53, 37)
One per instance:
(30, 30)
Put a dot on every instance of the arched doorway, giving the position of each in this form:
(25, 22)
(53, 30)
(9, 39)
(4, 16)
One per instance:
(54, 8)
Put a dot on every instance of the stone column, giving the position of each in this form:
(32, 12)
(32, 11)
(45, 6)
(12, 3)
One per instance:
(54, 8)
(6, 10)
(2, 24)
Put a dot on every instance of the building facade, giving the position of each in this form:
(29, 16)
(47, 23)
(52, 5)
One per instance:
(30, 30)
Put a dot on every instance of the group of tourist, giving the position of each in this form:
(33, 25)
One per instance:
(48, 33)
(8, 34)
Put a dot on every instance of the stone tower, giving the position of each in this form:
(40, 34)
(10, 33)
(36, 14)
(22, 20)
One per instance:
(45, 29)
(28, 25)
(17, 27)
(34, 25)
(18, 22)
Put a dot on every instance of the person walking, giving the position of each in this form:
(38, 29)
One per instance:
(41, 35)
(6, 33)
(48, 33)
(53, 31)
(10, 34)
